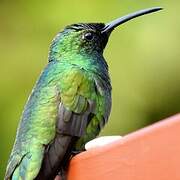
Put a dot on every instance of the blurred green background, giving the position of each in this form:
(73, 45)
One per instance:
(143, 57)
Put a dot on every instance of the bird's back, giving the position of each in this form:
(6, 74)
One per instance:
(37, 126)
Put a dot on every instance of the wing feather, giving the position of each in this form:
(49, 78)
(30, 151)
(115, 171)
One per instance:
(73, 116)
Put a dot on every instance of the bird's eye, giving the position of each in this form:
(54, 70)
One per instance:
(88, 36)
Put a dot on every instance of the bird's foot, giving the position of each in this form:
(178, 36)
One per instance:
(77, 152)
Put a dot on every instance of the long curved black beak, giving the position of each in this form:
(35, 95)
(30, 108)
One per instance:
(113, 24)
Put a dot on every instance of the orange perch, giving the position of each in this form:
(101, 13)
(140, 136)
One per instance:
(152, 153)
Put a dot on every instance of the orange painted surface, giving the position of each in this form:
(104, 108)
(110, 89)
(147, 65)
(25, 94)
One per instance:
(152, 153)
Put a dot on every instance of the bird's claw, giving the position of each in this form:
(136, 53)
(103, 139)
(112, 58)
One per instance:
(77, 152)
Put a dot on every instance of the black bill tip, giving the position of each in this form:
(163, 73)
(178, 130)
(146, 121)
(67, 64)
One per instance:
(110, 26)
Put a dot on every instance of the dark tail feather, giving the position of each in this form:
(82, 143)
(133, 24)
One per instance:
(56, 157)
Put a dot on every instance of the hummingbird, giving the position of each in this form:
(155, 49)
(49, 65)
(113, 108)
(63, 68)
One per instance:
(69, 104)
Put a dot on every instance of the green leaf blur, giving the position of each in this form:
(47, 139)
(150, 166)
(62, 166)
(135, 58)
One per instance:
(143, 57)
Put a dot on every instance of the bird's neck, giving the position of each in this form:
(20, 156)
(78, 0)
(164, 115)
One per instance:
(93, 62)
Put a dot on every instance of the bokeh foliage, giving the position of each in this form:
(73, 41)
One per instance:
(143, 57)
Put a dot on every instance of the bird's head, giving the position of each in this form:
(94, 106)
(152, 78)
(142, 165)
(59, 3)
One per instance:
(88, 38)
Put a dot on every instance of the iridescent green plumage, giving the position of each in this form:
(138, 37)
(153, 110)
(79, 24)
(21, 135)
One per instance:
(69, 104)
(76, 78)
